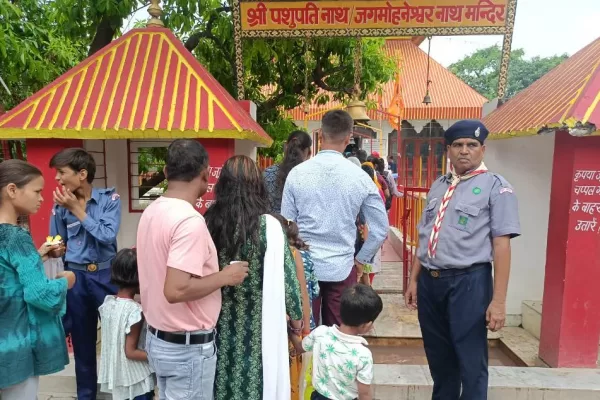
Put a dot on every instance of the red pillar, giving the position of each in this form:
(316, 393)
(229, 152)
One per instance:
(571, 306)
(39, 153)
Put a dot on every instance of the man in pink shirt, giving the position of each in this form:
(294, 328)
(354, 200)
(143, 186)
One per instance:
(180, 281)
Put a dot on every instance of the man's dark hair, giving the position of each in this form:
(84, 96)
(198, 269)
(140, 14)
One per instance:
(186, 159)
(362, 156)
(336, 125)
(360, 305)
(76, 159)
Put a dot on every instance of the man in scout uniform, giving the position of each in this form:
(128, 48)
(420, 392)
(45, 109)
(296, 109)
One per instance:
(88, 220)
(470, 217)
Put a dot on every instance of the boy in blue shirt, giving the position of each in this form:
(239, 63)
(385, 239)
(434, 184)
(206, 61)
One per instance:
(88, 220)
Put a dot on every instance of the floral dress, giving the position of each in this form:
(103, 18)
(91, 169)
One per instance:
(239, 365)
(312, 283)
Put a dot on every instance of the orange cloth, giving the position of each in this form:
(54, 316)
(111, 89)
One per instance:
(295, 369)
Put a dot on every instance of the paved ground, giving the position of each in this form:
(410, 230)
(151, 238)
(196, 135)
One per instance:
(395, 323)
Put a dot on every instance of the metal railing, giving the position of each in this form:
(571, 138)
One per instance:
(264, 162)
(405, 215)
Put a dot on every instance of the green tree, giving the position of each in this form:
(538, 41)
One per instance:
(206, 27)
(481, 70)
(33, 49)
(61, 32)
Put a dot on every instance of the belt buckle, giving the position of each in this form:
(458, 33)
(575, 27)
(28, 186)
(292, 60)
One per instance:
(435, 274)
(92, 267)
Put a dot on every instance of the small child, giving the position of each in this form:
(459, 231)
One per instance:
(124, 369)
(342, 366)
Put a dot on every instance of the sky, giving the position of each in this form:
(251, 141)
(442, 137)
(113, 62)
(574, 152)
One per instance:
(542, 28)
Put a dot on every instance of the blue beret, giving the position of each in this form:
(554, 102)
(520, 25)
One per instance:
(467, 128)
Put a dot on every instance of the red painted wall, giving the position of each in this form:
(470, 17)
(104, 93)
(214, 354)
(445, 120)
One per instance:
(39, 153)
(571, 306)
(219, 151)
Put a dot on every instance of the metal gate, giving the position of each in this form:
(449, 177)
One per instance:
(405, 215)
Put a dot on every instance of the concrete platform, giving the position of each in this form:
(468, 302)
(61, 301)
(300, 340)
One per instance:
(395, 382)
(409, 378)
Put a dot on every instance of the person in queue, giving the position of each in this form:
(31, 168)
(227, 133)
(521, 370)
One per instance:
(88, 220)
(296, 150)
(253, 359)
(180, 282)
(324, 196)
(470, 217)
(393, 167)
(389, 178)
(362, 156)
(31, 332)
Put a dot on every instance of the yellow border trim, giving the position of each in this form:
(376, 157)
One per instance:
(6, 134)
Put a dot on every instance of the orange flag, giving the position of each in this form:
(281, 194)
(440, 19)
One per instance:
(396, 107)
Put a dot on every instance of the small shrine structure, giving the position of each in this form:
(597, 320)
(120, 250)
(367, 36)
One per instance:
(125, 104)
(553, 161)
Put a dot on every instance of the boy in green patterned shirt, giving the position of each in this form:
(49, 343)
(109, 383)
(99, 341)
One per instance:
(342, 364)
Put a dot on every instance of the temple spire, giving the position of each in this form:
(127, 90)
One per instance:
(155, 13)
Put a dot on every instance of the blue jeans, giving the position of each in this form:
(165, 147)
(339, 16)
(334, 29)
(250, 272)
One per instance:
(183, 371)
(81, 321)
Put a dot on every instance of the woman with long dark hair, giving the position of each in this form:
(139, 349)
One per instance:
(253, 359)
(297, 150)
(32, 336)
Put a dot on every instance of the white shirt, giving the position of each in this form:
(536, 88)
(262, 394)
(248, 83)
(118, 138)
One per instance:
(324, 196)
(339, 361)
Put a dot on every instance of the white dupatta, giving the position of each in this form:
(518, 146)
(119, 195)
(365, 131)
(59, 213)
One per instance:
(275, 354)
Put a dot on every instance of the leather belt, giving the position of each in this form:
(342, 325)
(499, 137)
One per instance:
(181, 338)
(91, 267)
(444, 273)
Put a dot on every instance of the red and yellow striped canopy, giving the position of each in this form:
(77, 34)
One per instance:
(564, 97)
(145, 84)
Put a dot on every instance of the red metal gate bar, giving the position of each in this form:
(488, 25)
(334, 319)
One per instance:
(413, 204)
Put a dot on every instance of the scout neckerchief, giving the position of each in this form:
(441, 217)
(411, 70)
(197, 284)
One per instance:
(435, 232)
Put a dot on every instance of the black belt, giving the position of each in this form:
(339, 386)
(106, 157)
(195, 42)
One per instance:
(444, 273)
(180, 338)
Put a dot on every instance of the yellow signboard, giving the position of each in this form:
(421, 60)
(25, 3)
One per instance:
(372, 14)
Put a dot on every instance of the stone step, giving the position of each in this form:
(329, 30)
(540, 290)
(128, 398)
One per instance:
(394, 382)
(532, 317)
(531, 311)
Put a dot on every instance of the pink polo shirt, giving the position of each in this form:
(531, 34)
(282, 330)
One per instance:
(172, 233)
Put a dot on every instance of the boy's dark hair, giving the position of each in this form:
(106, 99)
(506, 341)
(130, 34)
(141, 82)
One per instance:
(360, 305)
(186, 159)
(124, 272)
(76, 159)
(362, 156)
(336, 125)
(291, 230)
